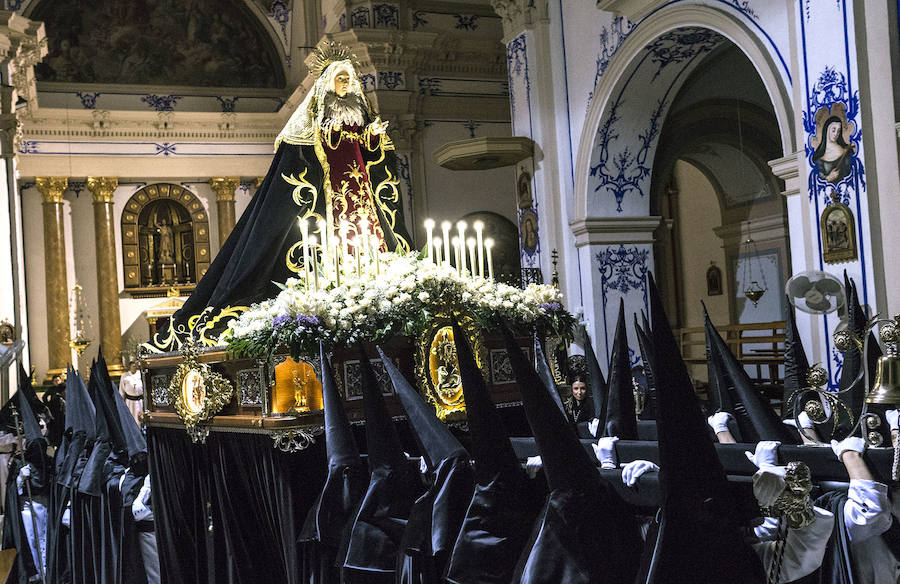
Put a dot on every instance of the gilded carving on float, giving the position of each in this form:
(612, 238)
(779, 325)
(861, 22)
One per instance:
(437, 366)
(198, 392)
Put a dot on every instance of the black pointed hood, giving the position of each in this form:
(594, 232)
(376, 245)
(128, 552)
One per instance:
(377, 530)
(620, 418)
(80, 410)
(854, 393)
(106, 402)
(646, 346)
(438, 443)
(92, 477)
(34, 440)
(796, 366)
(491, 449)
(135, 443)
(340, 445)
(383, 443)
(699, 538)
(596, 383)
(756, 418)
(565, 461)
(542, 366)
(347, 479)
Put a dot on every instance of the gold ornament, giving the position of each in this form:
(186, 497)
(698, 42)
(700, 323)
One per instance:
(815, 411)
(198, 392)
(843, 340)
(816, 377)
(327, 53)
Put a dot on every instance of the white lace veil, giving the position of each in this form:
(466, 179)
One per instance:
(301, 127)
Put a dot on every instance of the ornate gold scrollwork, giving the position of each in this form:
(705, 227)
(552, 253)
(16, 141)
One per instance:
(198, 392)
(295, 439)
(437, 366)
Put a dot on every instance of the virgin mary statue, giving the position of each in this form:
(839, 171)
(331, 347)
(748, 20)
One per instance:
(334, 170)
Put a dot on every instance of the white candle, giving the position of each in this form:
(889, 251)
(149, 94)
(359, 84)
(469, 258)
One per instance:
(304, 235)
(445, 228)
(461, 233)
(313, 240)
(356, 245)
(429, 233)
(470, 243)
(489, 246)
(323, 233)
(376, 253)
(456, 249)
(437, 250)
(343, 262)
(363, 240)
(479, 230)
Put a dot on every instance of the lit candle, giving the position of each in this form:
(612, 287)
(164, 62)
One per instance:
(376, 253)
(429, 233)
(323, 233)
(479, 230)
(461, 232)
(445, 228)
(362, 238)
(356, 245)
(304, 235)
(342, 262)
(489, 246)
(313, 240)
(470, 243)
(437, 250)
(456, 250)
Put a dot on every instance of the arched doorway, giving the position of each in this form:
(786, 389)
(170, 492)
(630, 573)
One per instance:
(628, 155)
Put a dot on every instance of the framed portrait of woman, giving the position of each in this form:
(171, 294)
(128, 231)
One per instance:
(838, 234)
(832, 148)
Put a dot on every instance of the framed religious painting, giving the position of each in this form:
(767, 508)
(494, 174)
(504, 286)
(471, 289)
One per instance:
(838, 234)
(713, 280)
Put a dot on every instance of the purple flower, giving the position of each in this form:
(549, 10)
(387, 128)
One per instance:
(280, 321)
(551, 306)
(308, 321)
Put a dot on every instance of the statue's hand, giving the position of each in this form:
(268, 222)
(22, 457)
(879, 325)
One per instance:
(378, 127)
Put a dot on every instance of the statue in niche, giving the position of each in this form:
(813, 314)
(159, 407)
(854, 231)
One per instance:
(833, 152)
(166, 248)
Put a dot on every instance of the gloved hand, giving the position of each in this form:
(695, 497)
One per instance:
(854, 443)
(768, 484)
(893, 419)
(533, 465)
(140, 511)
(67, 516)
(635, 469)
(24, 475)
(766, 454)
(605, 451)
(719, 421)
(805, 421)
(593, 425)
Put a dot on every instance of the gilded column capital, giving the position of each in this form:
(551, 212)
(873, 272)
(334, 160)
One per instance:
(52, 188)
(224, 186)
(102, 187)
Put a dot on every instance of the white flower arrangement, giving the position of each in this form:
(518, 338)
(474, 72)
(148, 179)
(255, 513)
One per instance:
(401, 300)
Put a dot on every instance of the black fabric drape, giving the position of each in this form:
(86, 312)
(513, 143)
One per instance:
(230, 510)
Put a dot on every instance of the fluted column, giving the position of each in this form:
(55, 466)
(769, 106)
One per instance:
(59, 353)
(103, 188)
(224, 186)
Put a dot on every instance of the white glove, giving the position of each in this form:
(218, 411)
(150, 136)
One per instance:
(635, 469)
(719, 421)
(893, 419)
(768, 484)
(593, 425)
(766, 454)
(423, 466)
(533, 465)
(24, 474)
(67, 516)
(605, 451)
(854, 443)
(140, 511)
(805, 422)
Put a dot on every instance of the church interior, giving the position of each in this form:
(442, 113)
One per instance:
(252, 233)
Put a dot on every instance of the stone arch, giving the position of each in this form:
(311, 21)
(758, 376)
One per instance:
(704, 28)
(132, 250)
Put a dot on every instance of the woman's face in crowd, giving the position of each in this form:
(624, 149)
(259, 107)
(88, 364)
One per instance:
(579, 389)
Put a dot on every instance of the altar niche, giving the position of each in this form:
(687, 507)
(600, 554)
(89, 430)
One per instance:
(165, 236)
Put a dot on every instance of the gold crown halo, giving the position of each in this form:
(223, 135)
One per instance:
(327, 53)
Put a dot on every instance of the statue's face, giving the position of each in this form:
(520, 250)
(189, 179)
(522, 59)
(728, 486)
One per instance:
(342, 83)
(834, 128)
